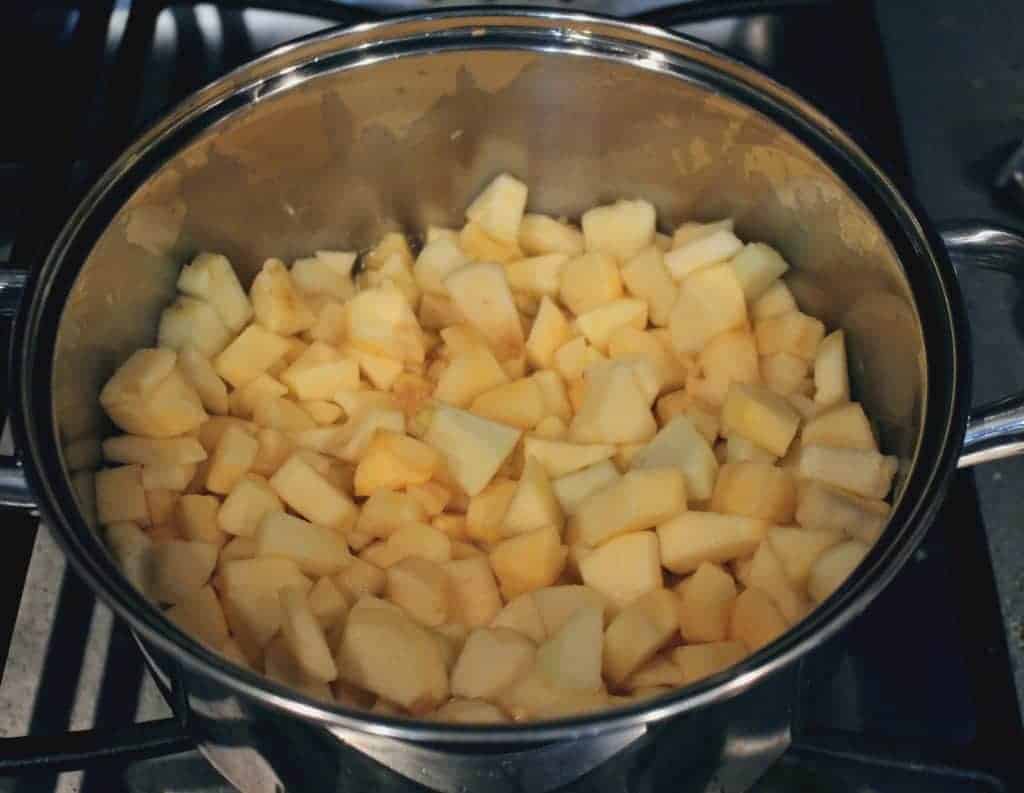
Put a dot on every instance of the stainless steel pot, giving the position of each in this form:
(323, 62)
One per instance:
(327, 142)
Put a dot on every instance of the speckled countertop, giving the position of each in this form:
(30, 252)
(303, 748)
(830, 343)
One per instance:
(958, 77)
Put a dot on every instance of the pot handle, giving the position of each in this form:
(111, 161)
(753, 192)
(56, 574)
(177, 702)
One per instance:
(14, 489)
(535, 770)
(995, 430)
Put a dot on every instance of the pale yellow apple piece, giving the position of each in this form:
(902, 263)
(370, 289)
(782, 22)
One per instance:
(697, 661)
(381, 322)
(629, 343)
(422, 589)
(316, 550)
(254, 351)
(845, 426)
(694, 537)
(149, 396)
(522, 614)
(486, 511)
(638, 632)
(549, 332)
(468, 375)
(421, 540)
(647, 278)
(831, 378)
(540, 234)
(519, 403)
(474, 590)
(438, 258)
(792, 332)
(590, 281)
(557, 604)
(491, 660)
(761, 416)
(328, 603)
(757, 490)
(534, 504)
(528, 561)
(573, 489)
(641, 499)
(277, 304)
(600, 323)
(833, 567)
(120, 496)
(622, 229)
(756, 620)
(824, 508)
(211, 277)
(615, 409)
(705, 604)
(474, 448)
(757, 267)
(325, 273)
(499, 207)
(556, 401)
(180, 569)
(861, 471)
(624, 568)
(386, 511)
(768, 574)
(537, 275)
(469, 711)
(195, 516)
(701, 251)
(304, 637)
(307, 492)
(797, 549)
(783, 373)
(710, 302)
(393, 461)
(776, 300)
(571, 657)
(361, 578)
(481, 294)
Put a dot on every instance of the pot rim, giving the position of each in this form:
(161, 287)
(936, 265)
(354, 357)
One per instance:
(591, 35)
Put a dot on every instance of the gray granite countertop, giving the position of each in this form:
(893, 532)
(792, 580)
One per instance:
(958, 77)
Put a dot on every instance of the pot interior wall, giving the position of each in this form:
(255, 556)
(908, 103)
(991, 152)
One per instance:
(334, 160)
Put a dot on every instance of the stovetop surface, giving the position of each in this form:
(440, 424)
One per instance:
(917, 695)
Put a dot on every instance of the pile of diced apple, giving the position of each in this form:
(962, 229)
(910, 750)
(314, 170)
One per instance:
(533, 470)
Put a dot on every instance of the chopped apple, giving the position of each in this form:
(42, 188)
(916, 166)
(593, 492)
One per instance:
(622, 229)
(153, 451)
(161, 504)
(549, 332)
(571, 658)
(706, 600)
(647, 278)
(783, 373)
(251, 353)
(499, 207)
(486, 511)
(307, 492)
(474, 589)
(557, 604)
(730, 357)
(189, 322)
(421, 540)
(385, 652)
(797, 549)
(305, 638)
(697, 661)
(768, 574)
(180, 569)
(212, 278)
(831, 379)
(845, 427)
(195, 516)
(694, 537)
(710, 302)
(740, 450)
(274, 448)
(316, 550)
(833, 567)
(533, 504)
(757, 267)
(149, 396)
(629, 343)
(473, 447)
(361, 578)
(327, 603)
(624, 568)
(690, 230)
(120, 496)
(481, 293)
(775, 301)
(437, 311)
(679, 445)
(573, 489)
(756, 620)
(421, 588)
(528, 561)
(638, 632)
(589, 281)
(702, 251)
(861, 471)
(614, 410)
(537, 275)
(277, 304)
(436, 261)
(491, 661)
(792, 332)
(757, 490)
(659, 671)
(468, 375)
(325, 273)
(761, 416)
(540, 234)
(319, 373)
(231, 460)
(386, 511)
(381, 322)
(640, 500)
(200, 615)
(393, 461)
(556, 401)
(519, 403)
(534, 696)
(522, 615)
(826, 508)
(600, 323)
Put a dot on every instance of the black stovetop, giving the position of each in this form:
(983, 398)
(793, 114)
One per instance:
(916, 696)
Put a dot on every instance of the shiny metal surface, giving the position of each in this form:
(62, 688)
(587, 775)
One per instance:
(14, 488)
(12, 285)
(996, 430)
(329, 141)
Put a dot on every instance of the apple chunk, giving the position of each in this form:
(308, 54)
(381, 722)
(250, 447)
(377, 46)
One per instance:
(528, 561)
(571, 658)
(491, 660)
(694, 537)
(679, 445)
(759, 415)
(639, 500)
(614, 409)
(706, 601)
(624, 568)
(710, 302)
(481, 293)
(473, 447)
(638, 632)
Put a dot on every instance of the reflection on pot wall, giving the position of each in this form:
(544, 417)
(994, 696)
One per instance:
(333, 161)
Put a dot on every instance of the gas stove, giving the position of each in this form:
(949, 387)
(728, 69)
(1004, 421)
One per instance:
(917, 696)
